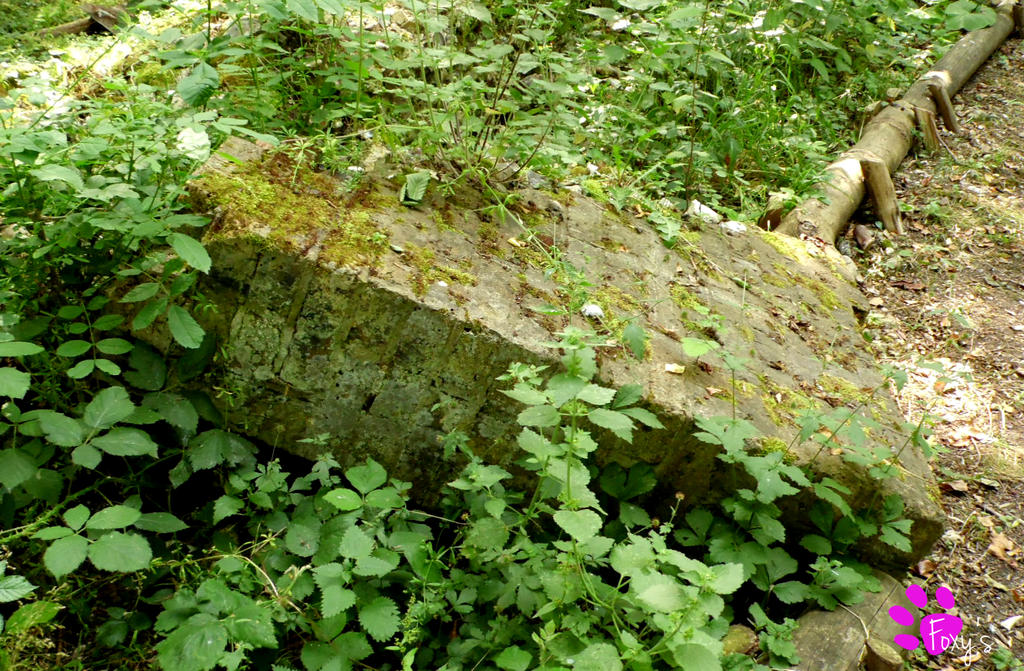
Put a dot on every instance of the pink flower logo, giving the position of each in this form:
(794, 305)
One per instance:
(938, 631)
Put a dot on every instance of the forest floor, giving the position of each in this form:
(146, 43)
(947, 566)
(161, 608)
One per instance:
(951, 292)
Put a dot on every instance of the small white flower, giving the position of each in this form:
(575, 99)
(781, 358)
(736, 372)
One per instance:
(593, 169)
(355, 168)
(583, 120)
(366, 134)
(621, 24)
(381, 44)
(592, 310)
(194, 143)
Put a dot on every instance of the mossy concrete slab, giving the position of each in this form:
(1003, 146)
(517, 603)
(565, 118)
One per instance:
(385, 327)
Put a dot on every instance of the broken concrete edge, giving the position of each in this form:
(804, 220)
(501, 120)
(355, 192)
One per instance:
(849, 636)
(889, 135)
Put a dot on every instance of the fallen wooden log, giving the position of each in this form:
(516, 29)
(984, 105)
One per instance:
(889, 135)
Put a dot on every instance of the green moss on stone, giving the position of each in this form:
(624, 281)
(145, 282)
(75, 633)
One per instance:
(427, 272)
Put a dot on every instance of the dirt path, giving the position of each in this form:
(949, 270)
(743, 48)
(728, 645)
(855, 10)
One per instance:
(952, 292)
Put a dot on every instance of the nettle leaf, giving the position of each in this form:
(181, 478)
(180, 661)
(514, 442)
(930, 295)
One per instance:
(539, 415)
(225, 506)
(634, 337)
(196, 88)
(108, 407)
(658, 592)
(335, 599)
(190, 250)
(616, 422)
(380, 618)
(14, 587)
(65, 555)
(514, 659)
(367, 477)
(125, 442)
(302, 539)
(196, 645)
(895, 538)
(728, 578)
(114, 517)
(628, 394)
(598, 657)
(122, 552)
(14, 383)
(581, 525)
(186, 330)
(791, 591)
(355, 544)
(596, 395)
(15, 467)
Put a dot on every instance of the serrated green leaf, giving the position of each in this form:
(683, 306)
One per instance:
(627, 395)
(598, 657)
(82, 369)
(896, 539)
(86, 456)
(125, 442)
(791, 591)
(367, 477)
(52, 172)
(225, 506)
(123, 552)
(335, 599)
(161, 523)
(174, 409)
(613, 420)
(380, 618)
(113, 517)
(303, 8)
(645, 417)
(52, 533)
(76, 517)
(73, 348)
(14, 383)
(415, 187)
(141, 292)
(31, 615)
(817, 544)
(634, 337)
(186, 331)
(302, 539)
(658, 592)
(343, 499)
(596, 395)
(513, 658)
(540, 416)
(114, 346)
(15, 467)
(196, 645)
(65, 555)
(190, 250)
(148, 313)
(581, 525)
(197, 87)
(108, 407)
(377, 565)
(355, 544)
(698, 347)
(14, 587)
(60, 429)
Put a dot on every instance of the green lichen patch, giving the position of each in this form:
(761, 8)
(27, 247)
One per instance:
(771, 444)
(783, 404)
(293, 207)
(427, 271)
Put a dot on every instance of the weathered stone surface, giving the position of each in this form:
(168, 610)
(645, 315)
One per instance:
(836, 640)
(385, 327)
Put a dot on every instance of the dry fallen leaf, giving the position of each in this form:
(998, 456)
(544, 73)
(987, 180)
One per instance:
(958, 486)
(1009, 623)
(925, 568)
(674, 368)
(1003, 548)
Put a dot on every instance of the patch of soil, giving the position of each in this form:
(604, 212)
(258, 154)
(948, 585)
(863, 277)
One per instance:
(948, 306)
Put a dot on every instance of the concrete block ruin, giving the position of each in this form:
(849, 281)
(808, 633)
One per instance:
(385, 327)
